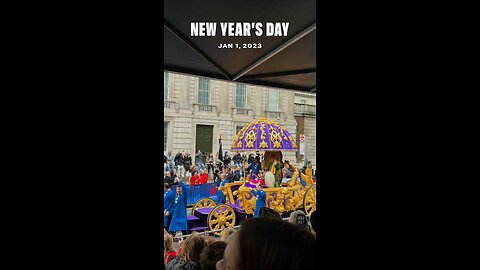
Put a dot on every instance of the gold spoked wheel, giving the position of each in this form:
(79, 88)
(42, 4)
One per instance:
(202, 203)
(221, 217)
(310, 199)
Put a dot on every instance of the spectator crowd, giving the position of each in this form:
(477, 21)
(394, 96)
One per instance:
(207, 168)
(262, 242)
(255, 245)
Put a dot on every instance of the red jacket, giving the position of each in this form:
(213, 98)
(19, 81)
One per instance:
(169, 255)
(194, 180)
(203, 178)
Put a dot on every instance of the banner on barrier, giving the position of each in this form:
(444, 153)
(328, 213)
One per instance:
(197, 192)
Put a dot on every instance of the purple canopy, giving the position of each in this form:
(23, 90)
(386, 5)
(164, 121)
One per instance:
(263, 135)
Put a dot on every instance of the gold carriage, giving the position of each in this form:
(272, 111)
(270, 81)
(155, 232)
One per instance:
(271, 137)
(240, 202)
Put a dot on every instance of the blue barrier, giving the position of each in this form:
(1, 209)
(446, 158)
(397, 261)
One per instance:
(194, 193)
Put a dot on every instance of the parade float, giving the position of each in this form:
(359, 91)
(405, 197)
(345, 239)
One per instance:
(271, 139)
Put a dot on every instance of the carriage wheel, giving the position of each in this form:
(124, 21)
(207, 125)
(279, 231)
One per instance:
(221, 217)
(310, 199)
(202, 203)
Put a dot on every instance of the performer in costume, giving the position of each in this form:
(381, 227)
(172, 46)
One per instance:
(179, 211)
(257, 180)
(273, 163)
(168, 200)
(255, 167)
(276, 169)
(261, 199)
(223, 181)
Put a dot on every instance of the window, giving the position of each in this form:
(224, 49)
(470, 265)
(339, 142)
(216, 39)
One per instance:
(165, 132)
(241, 96)
(165, 85)
(203, 91)
(273, 100)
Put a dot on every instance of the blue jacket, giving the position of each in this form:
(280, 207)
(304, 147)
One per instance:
(255, 167)
(261, 201)
(168, 200)
(179, 209)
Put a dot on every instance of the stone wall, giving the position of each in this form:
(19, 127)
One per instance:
(182, 115)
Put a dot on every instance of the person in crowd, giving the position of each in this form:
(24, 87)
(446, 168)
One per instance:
(277, 245)
(170, 162)
(310, 167)
(189, 257)
(168, 201)
(200, 160)
(179, 210)
(195, 179)
(261, 199)
(210, 163)
(226, 160)
(299, 218)
(236, 174)
(229, 174)
(250, 159)
(187, 161)
(287, 175)
(212, 254)
(244, 162)
(259, 155)
(178, 159)
(287, 171)
(216, 177)
(169, 179)
(164, 163)
(203, 177)
(226, 233)
(268, 212)
(169, 251)
(209, 240)
(237, 159)
(179, 164)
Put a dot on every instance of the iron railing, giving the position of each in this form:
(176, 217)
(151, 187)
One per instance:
(305, 109)
(168, 104)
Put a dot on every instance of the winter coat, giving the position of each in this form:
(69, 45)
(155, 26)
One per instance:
(179, 263)
(210, 160)
(199, 158)
(250, 159)
(237, 158)
(187, 161)
(255, 167)
(178, 159)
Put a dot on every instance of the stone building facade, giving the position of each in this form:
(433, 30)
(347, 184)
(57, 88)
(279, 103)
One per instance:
(199, 110)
